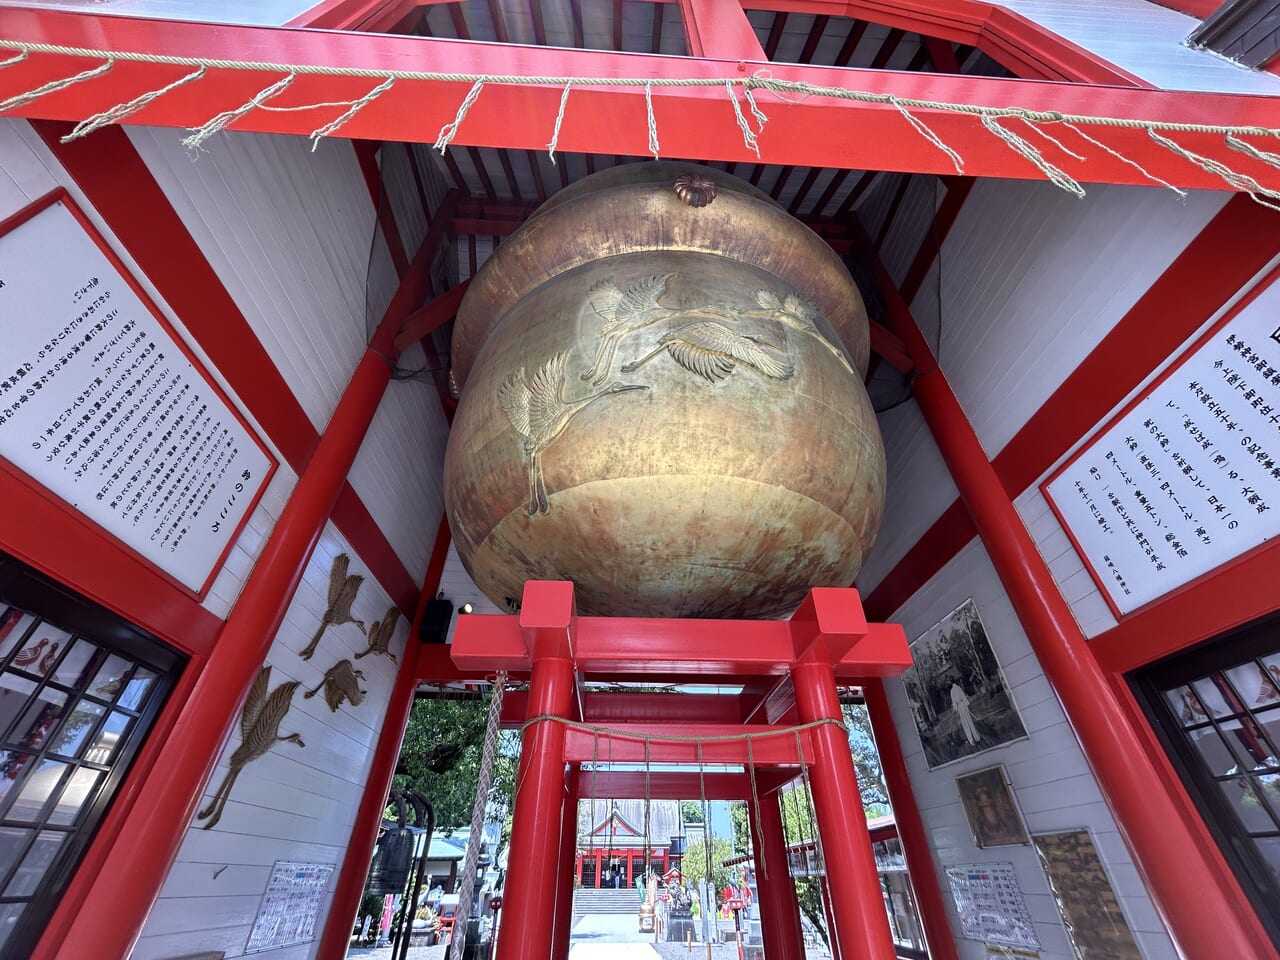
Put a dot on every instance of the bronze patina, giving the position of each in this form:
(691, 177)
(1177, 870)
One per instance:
(663, 402)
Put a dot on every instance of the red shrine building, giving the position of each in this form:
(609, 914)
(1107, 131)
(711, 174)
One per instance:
(229, 262)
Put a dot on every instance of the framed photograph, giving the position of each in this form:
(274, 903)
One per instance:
(1091, 912)
(990, 808)
(959, 700)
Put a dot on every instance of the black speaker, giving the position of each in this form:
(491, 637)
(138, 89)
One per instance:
(435, 621)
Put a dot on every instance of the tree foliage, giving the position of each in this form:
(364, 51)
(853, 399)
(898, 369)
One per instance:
(440, 757)
(694, 863)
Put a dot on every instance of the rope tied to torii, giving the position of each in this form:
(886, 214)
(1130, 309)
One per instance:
(786, 91)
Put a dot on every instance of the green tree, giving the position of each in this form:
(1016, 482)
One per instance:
(694, 863)
(690, 811)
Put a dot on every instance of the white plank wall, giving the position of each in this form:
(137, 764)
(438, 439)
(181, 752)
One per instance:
(402, 195)
(287, 232)
(873, 205)
(1048, 772)
(1033, 278)
(910, 225)
(294, 803)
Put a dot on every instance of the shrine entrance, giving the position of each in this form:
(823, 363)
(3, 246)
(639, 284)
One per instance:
(785, 726)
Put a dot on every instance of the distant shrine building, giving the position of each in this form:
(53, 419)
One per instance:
(669, 380)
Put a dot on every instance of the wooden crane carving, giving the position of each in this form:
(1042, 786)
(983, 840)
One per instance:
(380, 633)
(259, 732)
(342, 593)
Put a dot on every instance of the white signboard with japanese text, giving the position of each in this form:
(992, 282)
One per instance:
(990, 904)
(1188, 477)
(291, 905)
(101, 405)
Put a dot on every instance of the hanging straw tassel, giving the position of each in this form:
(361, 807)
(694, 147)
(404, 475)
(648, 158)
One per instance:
(356, 106)
(653, 124)
(22, 55)
(223, 120)
(555, 132)
(1133, 163)
(122, 110)
(53, 86)
(1028, 150)
(1265, 156)
(748, 136)
(1236, 179)
(450, 130)
(927, 132)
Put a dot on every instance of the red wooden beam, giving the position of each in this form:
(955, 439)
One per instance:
(815, 132)
(637, 742)
(719, 29)
(428, 317)
(680, 785)
(886, 345)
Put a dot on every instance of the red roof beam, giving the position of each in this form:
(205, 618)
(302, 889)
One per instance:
(678, 743)
(678, 785)
(692, 121)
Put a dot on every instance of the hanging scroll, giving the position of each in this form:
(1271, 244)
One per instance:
(104, 408)
(1187, 477)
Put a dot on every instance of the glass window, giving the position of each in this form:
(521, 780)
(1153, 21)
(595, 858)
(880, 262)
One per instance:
(1217, 708)
(78, 690)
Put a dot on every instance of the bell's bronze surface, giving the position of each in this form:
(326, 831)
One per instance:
(679, 429)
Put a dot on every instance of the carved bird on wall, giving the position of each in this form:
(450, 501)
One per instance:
(380, 632)
(624, 311)
(539, 411)
(259, 732)
(340, 682)
(342, 593)
(712, 350)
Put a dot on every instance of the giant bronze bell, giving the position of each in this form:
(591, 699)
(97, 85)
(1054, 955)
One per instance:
(661, 399)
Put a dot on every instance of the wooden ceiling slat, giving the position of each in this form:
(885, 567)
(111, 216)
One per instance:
(538, 185)
(499, 22)
(805, 187)
(859, 188)
(485, 182)
(885, 227)
(775, 35)
(756, 173)
(887, 48)
(656, 42)
(575, 11)
(459, 21)
(504, 157)
(850, 45)
(783, 175)
(539, 26)
(590, 161)
(455, 172)
(920, 60)
(832, 189)
(815, 37)
(617, 24)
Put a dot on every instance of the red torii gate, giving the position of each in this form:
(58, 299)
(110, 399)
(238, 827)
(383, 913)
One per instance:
(827, 638)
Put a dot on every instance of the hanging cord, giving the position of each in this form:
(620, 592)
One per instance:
(484, 781)
(755, 799)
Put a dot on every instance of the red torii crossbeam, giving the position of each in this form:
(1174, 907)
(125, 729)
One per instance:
(828, 636)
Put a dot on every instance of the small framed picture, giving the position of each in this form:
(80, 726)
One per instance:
(990, 808)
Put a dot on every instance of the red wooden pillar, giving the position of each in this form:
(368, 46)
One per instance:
(112, 914)
(779, 910)
(597, 874)
(563, 877)
(1179, 863)
(861, 927)
(529, 900)
(915, 843)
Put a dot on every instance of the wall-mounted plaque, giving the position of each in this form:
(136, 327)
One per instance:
(990, 808)
(105, 409)
(991, 905)
(1187, 476)
(291, 905)
(1090, 911)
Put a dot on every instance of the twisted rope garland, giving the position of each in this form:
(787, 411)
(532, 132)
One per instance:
(785, 90)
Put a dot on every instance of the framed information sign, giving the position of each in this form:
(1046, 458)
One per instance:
(990, 904)
(1187, 476)
(104, 408)
(291, 905)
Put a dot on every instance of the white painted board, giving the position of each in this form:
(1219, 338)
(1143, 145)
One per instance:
(990, 904)
(1188, 477)
(291, 905)
(101, 405)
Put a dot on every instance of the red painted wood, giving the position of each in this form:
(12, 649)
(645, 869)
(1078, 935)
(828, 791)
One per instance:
(1231, 249)
(862, 929)
(909, 828)
(856, 135)
(771, 745)
(367, 156)
(668, 785)
(719, 29)
(779, 910)
(602, 707)
(122, 190)
(1182, 876)
(364, 831)
(562, 922)
(1199, 9)
(42, 531)
(112, 915)
(95, 858)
